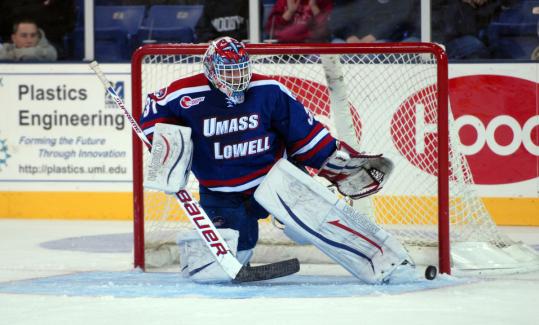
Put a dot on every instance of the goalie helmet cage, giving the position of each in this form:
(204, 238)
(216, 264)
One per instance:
(389, 98)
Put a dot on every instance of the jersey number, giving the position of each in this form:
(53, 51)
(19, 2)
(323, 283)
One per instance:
(310, 116)
(150, 105)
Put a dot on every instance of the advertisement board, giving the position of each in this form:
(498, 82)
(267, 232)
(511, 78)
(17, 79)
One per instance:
(64, 147)
(61, 138)
(60, 131)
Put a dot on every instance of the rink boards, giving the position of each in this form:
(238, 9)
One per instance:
(64, 153)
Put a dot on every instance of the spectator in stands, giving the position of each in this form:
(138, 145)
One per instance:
(366, 21)
(223, 18)
(460, 26)
(29, 44)
(299, 21)
(56, 18)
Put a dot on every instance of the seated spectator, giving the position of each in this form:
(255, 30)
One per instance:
(459, 26)
(223, 18)
(56, 17)
(366, 21)
(300, 21)
(29, 44)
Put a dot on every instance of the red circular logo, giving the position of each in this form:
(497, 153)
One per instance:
(496, 120)
(498, 126)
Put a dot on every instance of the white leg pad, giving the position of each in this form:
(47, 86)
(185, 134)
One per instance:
(197, 262)
(345, 235)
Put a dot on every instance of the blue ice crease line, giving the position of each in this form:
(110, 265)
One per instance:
(135, 284)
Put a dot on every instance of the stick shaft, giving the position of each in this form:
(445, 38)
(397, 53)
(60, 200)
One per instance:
(119, 102)
(340, 109)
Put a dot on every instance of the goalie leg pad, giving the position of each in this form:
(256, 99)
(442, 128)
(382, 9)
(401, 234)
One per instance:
(348, 237)
(197, 262)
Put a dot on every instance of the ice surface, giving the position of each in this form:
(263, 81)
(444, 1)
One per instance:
(170, 285)
(81, 272)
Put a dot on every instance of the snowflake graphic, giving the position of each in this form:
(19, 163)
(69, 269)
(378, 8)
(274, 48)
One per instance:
(4, 155)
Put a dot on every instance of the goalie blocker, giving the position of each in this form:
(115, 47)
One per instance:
(171, 157)
(345, 235)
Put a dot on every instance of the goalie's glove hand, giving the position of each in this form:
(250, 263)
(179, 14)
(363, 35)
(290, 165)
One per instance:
(356, 174)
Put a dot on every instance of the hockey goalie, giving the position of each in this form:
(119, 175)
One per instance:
(241, 133)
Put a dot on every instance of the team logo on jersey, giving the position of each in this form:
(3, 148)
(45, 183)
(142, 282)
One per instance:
(4, 155)
(187, 102)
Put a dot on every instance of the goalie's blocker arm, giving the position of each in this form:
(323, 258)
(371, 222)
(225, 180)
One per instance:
(356, 174)
(171, 158)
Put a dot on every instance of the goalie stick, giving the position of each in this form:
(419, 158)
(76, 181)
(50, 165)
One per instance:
(196, 214)
(338, 99)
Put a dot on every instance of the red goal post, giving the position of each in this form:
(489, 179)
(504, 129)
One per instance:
(397, 100)
(437, 53)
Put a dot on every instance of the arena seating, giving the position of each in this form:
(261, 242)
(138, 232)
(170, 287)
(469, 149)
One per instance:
(115, 27)
(170, 23)
(514, 33)
(121, 29)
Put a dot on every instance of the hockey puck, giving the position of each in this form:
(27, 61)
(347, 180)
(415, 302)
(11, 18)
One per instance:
(430, 272)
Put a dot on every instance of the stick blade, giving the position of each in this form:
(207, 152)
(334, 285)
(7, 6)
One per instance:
(268, 271)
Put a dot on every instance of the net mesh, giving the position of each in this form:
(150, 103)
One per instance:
(393, 105)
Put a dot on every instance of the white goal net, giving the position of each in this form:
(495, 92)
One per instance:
(385, 98)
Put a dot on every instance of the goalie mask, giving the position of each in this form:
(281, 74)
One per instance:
(227, 67)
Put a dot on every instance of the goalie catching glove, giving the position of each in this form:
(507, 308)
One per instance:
(355, 174)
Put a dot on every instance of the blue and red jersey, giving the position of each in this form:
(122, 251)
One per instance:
(235, 145)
